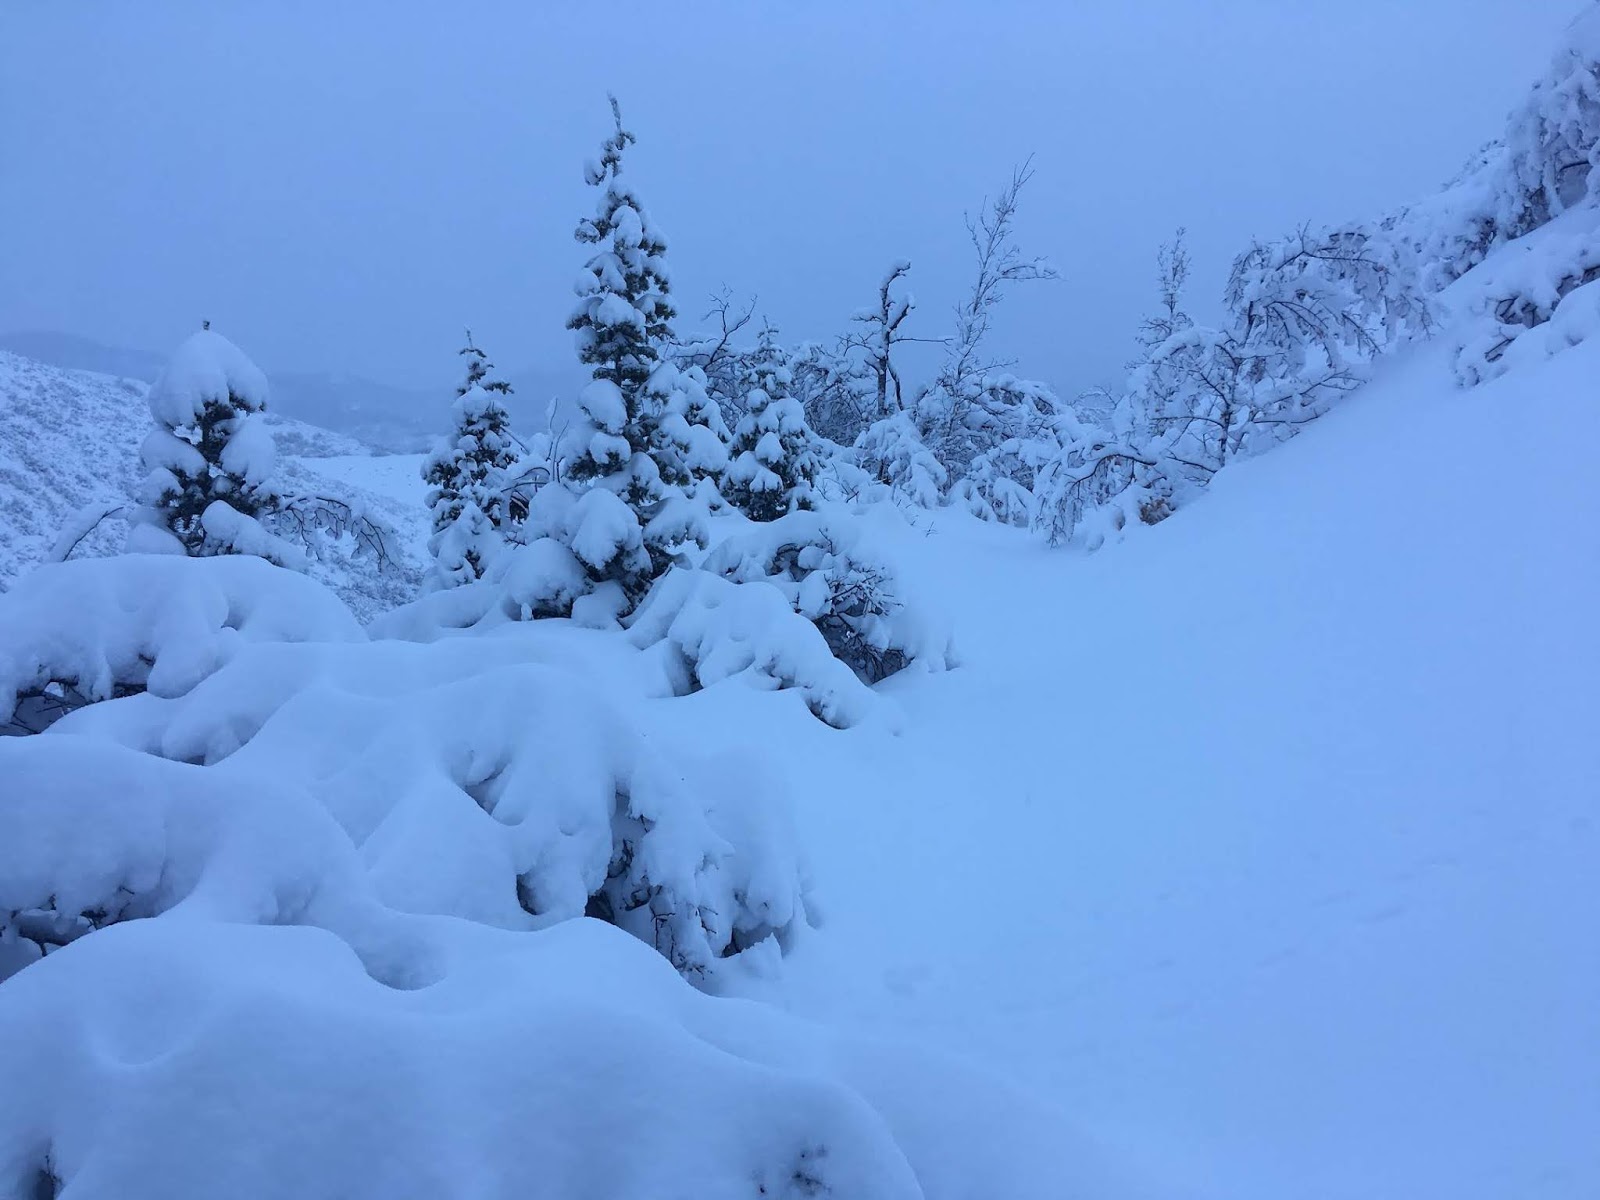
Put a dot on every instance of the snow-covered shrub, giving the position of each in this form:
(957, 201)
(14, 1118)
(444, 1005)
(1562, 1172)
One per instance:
(992, 443)
(92, 629)
(833, 390)
(466, 477)
(723, 363)
(1546, 162)
(540, 579)
(464, 752)
(976, 416)
(775, 455)
(1548, 285)
(851, 595)
(891, 450)
(716, 630)
(93, 833)
(1105, 477)
(209, 461)
(274, 996)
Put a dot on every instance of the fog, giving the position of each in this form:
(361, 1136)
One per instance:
(345, 187)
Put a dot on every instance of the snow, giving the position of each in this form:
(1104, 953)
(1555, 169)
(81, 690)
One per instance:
(70, 443)
(722, 631)
(1252, 857)
(155, 621)
(1270, 833)
(206, 368)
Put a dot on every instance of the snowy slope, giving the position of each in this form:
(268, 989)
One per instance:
(1267, 842)
(1264, 843)
(71, 438)
(1256, 855)
(67, 438)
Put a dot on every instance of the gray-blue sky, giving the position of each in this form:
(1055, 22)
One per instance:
(346, 185)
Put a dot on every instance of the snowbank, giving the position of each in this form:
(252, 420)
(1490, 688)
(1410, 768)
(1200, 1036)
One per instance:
(152, 621)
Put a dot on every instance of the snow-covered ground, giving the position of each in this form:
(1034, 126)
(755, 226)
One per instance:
(1259, 848)
(1255, 856)
(1266, 843)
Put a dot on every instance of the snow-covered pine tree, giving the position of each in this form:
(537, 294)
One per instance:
(776, 455)
(891, 451)
(649, 443)
(478, 369)
(209, 462)
(466, 476)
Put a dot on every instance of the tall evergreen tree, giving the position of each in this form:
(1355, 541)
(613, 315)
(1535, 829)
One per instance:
(648, 435)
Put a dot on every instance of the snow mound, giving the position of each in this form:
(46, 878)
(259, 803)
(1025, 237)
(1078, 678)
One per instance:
(156, 1050)
(541, 579)
(828, 572)
(159, 622)
(484, 779)
(717, 630)
(206, 369)
(1530, 299)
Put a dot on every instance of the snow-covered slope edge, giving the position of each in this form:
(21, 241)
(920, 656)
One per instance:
(1266, 841)
(70, 440)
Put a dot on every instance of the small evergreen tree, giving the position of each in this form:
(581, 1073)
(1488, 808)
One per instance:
(466, 475)
(776, 456)
(209, 461)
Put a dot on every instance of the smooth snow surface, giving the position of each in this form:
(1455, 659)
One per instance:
(1266, 843)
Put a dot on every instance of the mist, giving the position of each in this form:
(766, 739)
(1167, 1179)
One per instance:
(345, 188)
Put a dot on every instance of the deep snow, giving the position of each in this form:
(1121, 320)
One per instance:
(1266, 842)
(1262, 844)
(1255, 856)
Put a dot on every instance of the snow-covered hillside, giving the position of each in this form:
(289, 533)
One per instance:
(70, 440)
(1189, 794)
(1251, 857)
(1266, 843)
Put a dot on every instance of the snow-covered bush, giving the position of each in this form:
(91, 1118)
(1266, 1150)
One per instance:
(540, 579)
(466, 477)
(833, 390)
(775, 455)
(976, 414)
(92, 833)
(1534, 299)
(83, 631)
(480, 779)
(993, 443)
(714, 630)
(892, 452)
(209, 461)
(828, 576)
(1546, 162)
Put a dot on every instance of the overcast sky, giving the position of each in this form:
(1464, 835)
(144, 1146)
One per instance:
(346, 185)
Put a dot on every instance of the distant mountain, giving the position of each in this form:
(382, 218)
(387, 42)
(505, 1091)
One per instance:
(397, 420)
